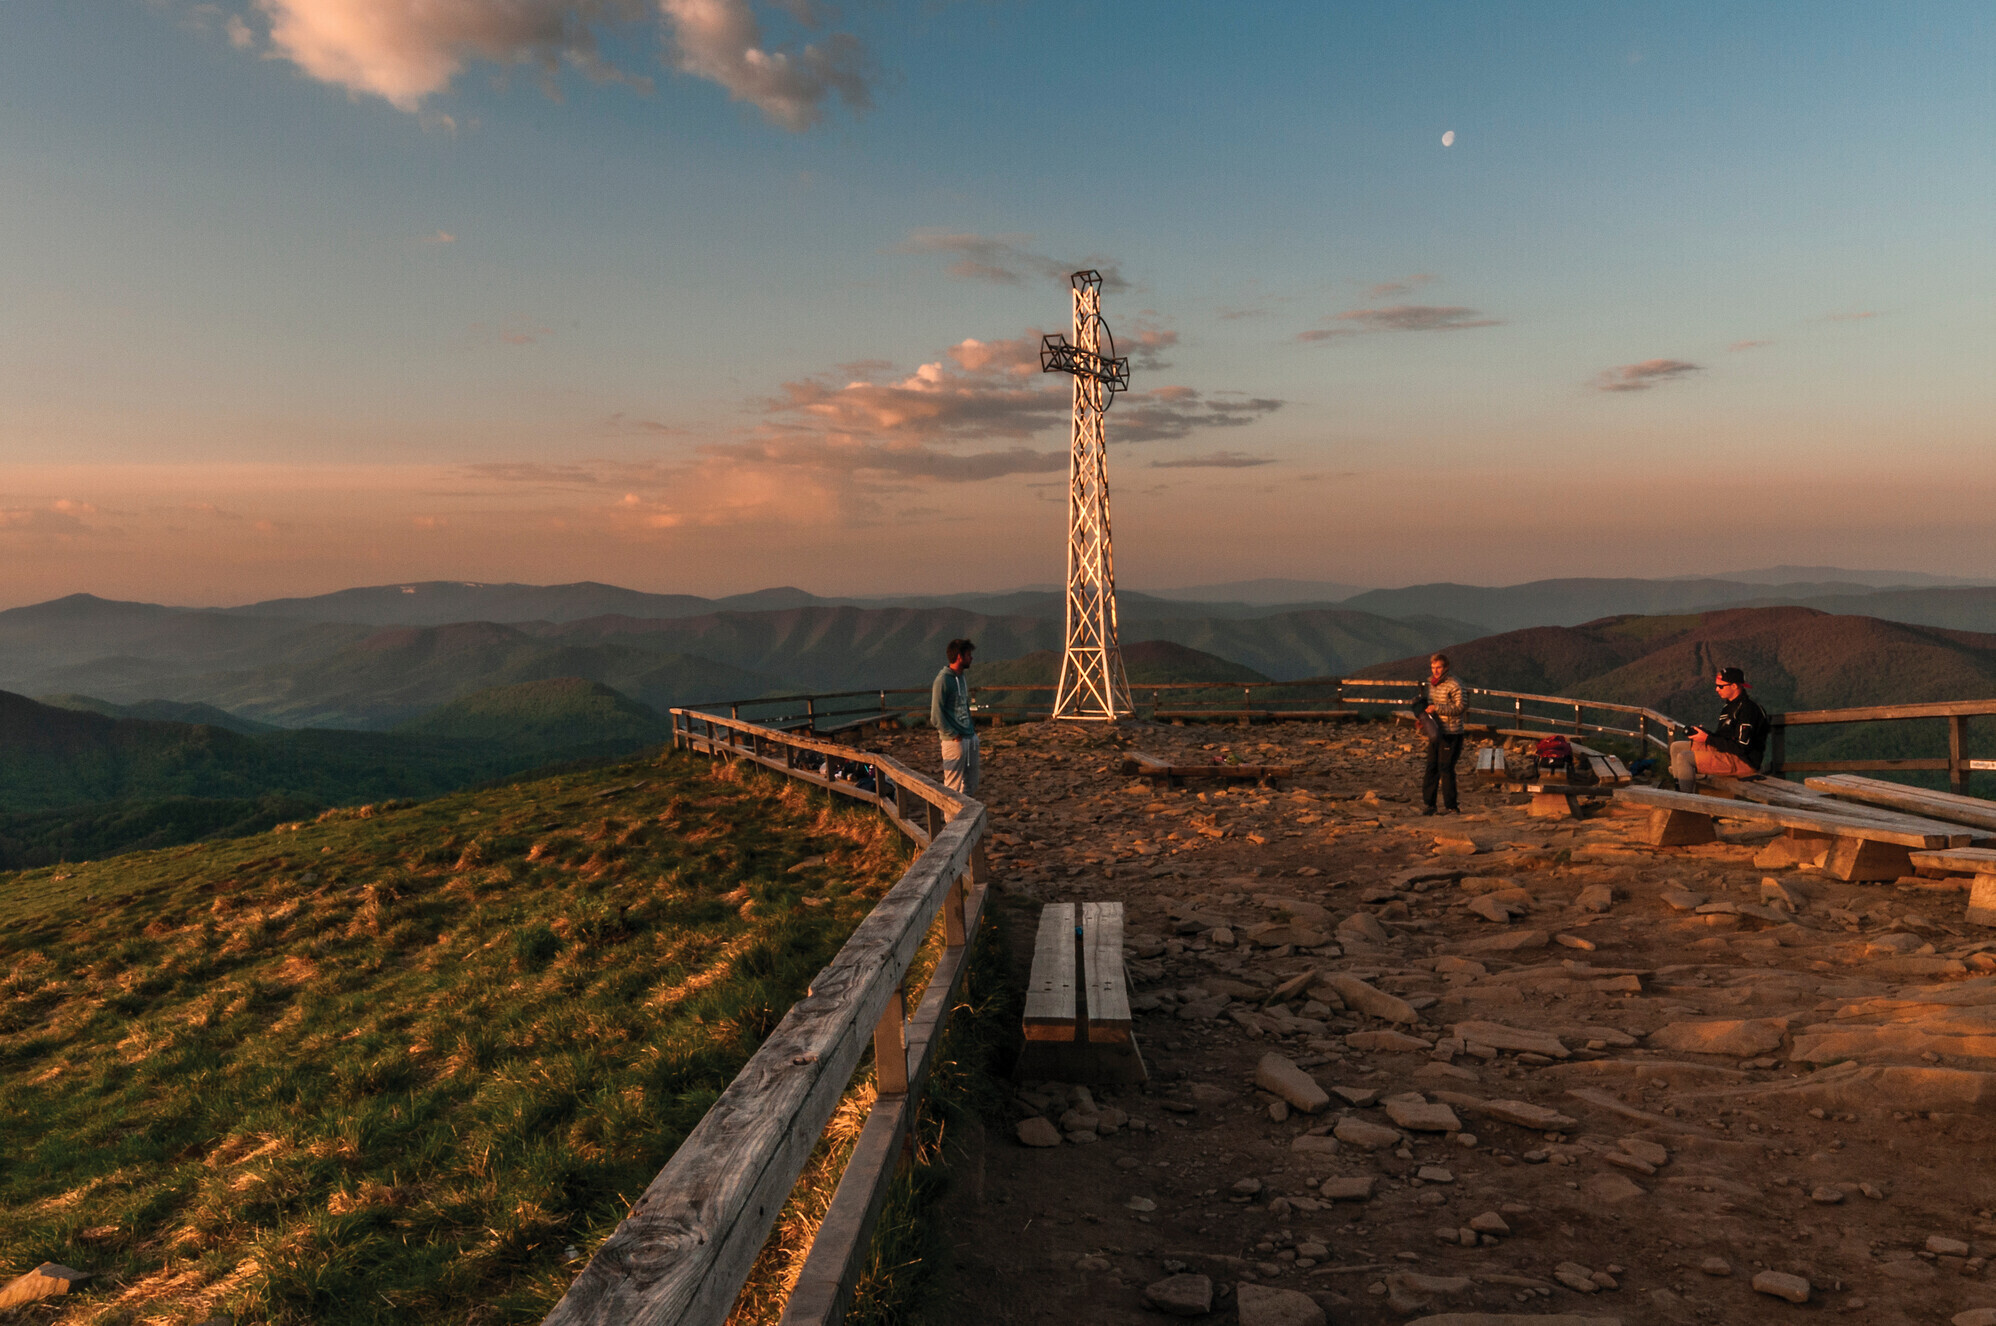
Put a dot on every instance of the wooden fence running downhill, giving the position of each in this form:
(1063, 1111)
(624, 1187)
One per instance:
(681, 1256)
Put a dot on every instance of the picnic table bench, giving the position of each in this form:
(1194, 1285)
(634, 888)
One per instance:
(1077, 1018)
(1556, 798)
(1863, 846)
(1977, 861)
(1948, 806)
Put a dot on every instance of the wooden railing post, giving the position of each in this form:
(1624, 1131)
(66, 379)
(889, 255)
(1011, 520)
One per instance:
(933, 818)
(890, 1047)
(1779, 743)
(954, 933)
(1957, 756)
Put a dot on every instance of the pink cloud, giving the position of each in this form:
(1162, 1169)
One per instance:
(1641, 377)
(406, 51)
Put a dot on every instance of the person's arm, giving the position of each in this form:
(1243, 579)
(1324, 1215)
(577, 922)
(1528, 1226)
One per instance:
(1736, 735)
(939, 702)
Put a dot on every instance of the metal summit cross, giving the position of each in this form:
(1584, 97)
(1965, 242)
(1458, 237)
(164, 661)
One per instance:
(1093, 684)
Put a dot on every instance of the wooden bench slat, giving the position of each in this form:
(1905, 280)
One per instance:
(1775, 792)
(1950, 806)
(1102, 955)
(1914, 833)
(1959, 860)
(1050, 991)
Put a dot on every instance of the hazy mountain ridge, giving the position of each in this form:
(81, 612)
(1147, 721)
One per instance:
(1146, 661)
(1795, 658)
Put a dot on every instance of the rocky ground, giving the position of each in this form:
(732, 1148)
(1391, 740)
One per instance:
(1484, 1065)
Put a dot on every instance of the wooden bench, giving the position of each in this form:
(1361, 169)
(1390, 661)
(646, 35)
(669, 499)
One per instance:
(1139, 765)
(1862, 846)
(1077, 1019)
(1557, 800)
(1949, 806)
(1977, 861)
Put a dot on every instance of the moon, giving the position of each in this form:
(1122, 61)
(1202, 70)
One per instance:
(1448, 139)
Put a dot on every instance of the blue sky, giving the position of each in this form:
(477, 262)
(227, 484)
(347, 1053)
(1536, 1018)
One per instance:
(309, 293)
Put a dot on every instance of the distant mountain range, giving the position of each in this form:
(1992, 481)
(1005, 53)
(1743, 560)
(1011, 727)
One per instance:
(1794, 658)
(293, 672)
(381, 656)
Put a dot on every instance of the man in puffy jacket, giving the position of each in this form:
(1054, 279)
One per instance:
(1733, 748)
(1446, 704)
(949, 712)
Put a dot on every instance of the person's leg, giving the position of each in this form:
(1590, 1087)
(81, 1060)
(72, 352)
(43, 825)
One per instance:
(973, 765)
(953, 765)
(1719, 764)
(1450, 756)
(1684, 765)
(1432, 777)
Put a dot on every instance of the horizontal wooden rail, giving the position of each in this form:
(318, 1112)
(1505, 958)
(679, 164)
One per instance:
(682, 1254)
(1511, 712)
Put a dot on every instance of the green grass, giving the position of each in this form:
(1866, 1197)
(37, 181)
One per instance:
(394, 1066)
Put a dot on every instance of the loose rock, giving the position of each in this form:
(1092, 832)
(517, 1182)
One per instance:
(1038, 1132)
(1181, 1295)
(1260, 1305)
(1782, 1285)
(1281, 1077)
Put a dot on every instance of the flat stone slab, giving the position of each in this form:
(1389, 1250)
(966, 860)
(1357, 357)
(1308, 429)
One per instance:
(1260, 1305)
(1369, 1136)
(1370, 1000)
(1281, 1077)
(1421, 1116)
(1181, 1295)
(49, 1280)
(1500, 1037)
(1349, 1188)
(1782, 1285)
(1738, 1038)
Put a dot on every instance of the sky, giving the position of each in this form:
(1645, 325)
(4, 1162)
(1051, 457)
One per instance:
(703, 296)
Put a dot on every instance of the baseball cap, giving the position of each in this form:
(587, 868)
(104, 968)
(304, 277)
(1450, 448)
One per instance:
(1732, 677)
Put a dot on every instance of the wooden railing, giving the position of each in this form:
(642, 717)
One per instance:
(1957, 762)
(1508, 712)
(686, 1248)
(1322, 697)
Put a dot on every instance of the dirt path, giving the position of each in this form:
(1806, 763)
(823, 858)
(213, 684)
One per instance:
(1613, 1105)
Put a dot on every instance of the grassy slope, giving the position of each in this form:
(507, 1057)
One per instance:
(552, 714)
(63, 757)
(388, 1068)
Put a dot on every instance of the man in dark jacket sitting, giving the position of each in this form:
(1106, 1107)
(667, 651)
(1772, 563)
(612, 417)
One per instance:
(1733, 748)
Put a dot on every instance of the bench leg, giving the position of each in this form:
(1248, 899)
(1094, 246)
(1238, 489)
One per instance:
(1669, 827)
(1862, 861)
(1553, 806)
(1982, 901)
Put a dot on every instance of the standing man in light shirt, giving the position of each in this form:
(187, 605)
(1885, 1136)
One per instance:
(1445, 702)
(949, 711)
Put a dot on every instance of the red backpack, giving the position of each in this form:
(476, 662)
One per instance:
(1554, 750)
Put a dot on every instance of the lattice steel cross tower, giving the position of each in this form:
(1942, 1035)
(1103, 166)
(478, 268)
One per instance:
(1093, 684)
